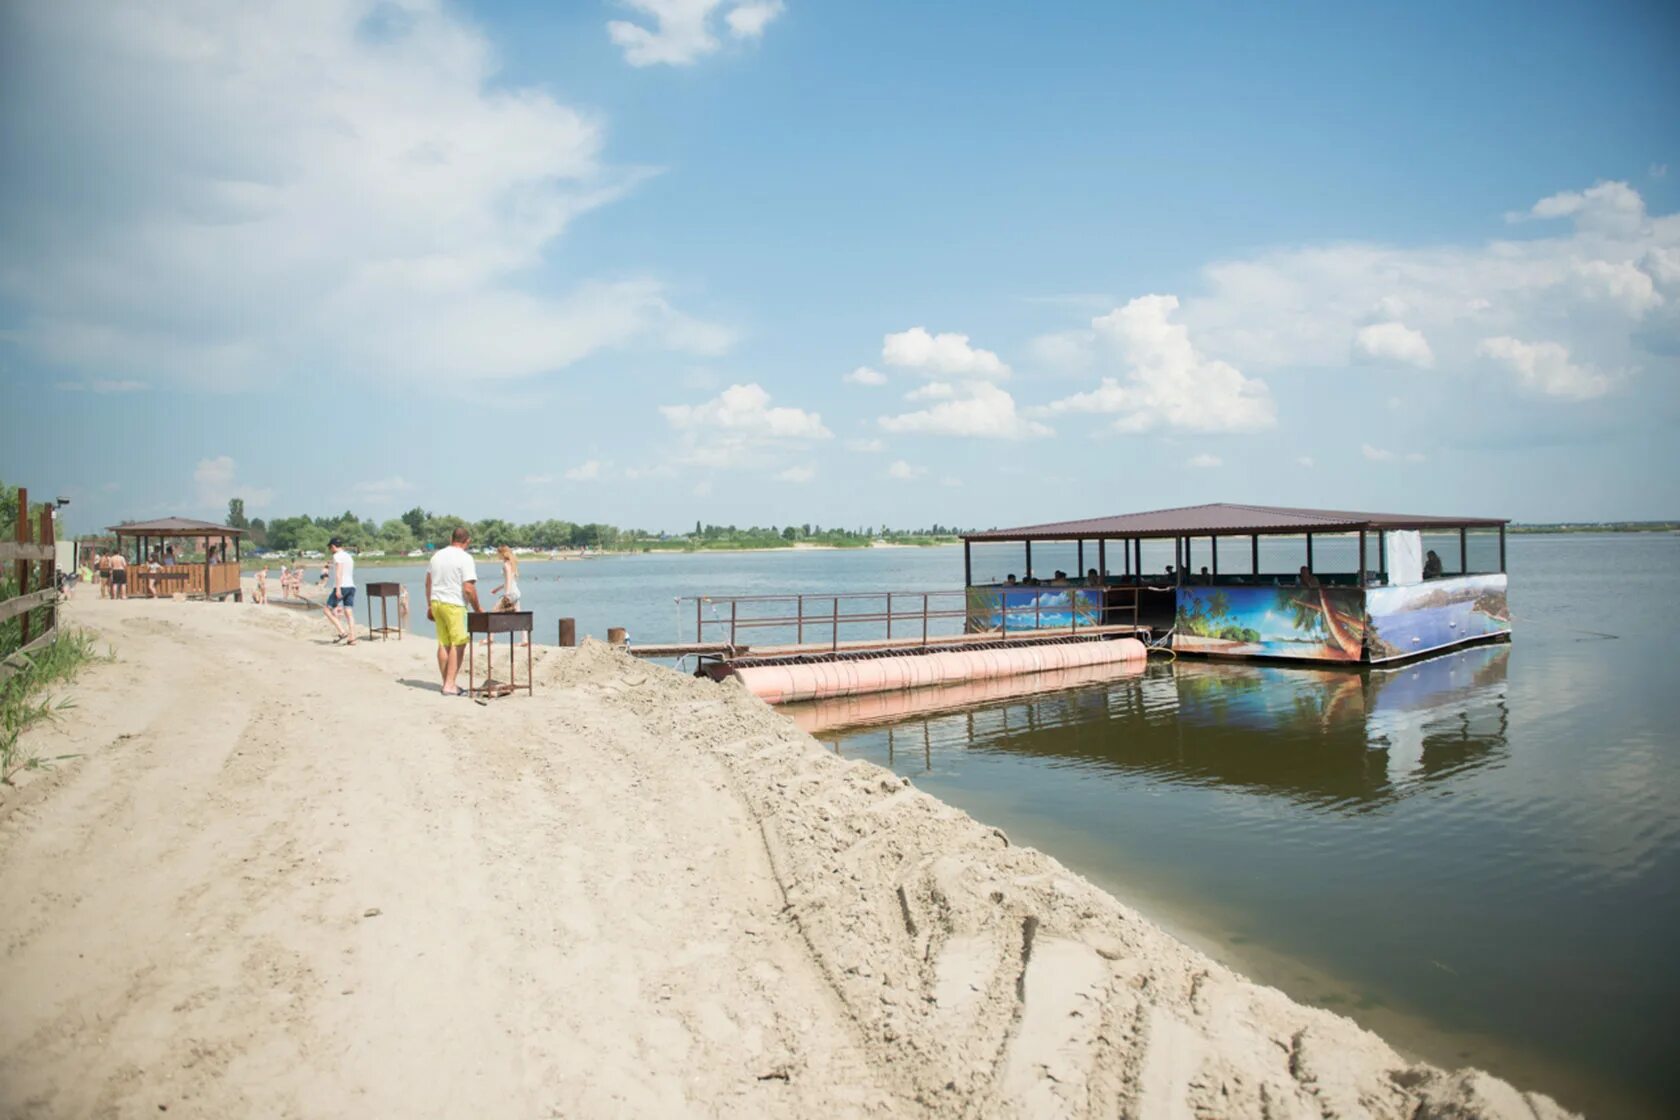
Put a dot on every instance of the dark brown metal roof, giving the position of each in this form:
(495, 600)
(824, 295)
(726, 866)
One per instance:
(1222, 518)
(175, 527)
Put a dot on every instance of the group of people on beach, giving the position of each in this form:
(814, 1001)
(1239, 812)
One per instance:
(451, 588)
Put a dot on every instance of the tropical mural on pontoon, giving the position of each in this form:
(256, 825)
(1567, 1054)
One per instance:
(1340, 623)
(1032, 608)
(1317, 623)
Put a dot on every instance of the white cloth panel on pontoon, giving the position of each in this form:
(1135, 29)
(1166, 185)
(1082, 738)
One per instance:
(1405, 557)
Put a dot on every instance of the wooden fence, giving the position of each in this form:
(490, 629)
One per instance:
(36, 597)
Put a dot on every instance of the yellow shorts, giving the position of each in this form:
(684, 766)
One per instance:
(451, 622)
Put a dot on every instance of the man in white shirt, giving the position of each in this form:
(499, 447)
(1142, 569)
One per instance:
(451, 586)
(341, 601)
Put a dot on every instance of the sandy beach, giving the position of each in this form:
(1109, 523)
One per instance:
(285, 878)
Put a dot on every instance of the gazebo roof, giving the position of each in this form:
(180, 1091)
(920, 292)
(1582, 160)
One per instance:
(1226, 518)
(175, 527)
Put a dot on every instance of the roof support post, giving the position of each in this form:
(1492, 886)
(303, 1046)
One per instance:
(1102, 560)
(1079, 558)
(1254, 553)
(1214, 542)
(1178, 554)
(1502, 550)
(1029, 561)
(1382, 554)
(1309, 552)
(968, 566)
(1361, 558)
(1463, 551)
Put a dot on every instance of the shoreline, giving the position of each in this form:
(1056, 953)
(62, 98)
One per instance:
(709, 911)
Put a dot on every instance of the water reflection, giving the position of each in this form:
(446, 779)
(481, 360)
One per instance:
(1341, 739)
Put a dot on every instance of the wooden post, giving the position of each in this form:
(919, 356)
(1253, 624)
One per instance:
(1178, 559)
(1254, 554)
(734, 606)
(1079, 559)
(1309, 553)
(23, 565)
(1029, 561)
(1382, 554)
(616, 636)
(1463, 551)
(1361, 558)
(1214, 545)
(968, 565)
(1502, 549)
(699, 620)
(567, 637)
(1102, 560)
(49, 568)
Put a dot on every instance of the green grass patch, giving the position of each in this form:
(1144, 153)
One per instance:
(24, 703)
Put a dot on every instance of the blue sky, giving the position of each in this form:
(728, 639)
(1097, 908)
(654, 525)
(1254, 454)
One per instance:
(751, 261)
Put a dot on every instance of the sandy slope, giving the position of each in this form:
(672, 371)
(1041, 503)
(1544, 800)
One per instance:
(289, 879)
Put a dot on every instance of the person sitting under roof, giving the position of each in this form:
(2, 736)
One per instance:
(1431, 565)
(1203, 576)
(1092, 579)
(1010, 580)
(1306, 578)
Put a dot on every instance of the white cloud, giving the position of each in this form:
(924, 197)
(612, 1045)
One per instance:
(903, 471)
(1604, 287)
(1383, 455)
(379, 490)
(1205, 460)
(1610, 207)
(103, 385)
(1394, 342)
(746, 408)
(734, 427)
(682, 30)
(1168, 382)
(947, 354)
(748, 20)
(215, 482)
(863, 375)
(932, 391)
(1304, 461)
(1657, 171)
(866, 446)
(985, 411)
(797, 474)
(319, 185)
(1545, 368)
(587, 471)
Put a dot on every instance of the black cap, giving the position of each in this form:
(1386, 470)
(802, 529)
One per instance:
(336, 542)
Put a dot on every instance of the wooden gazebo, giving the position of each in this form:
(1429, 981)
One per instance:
(216, 575)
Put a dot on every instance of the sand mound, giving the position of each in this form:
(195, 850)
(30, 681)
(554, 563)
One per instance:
(289, 878)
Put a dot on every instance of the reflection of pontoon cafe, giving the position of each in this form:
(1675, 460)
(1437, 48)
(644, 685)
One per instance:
(1250, 581)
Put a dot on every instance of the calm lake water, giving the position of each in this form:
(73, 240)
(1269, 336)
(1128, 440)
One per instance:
(1477, 856)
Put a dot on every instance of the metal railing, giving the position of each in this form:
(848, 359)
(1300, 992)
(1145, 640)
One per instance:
(926, 614)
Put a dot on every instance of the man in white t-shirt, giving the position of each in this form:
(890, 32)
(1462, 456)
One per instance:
(341, 601)
(451, 586)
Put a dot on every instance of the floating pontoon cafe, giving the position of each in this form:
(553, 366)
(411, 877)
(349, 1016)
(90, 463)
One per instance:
(1250, 581)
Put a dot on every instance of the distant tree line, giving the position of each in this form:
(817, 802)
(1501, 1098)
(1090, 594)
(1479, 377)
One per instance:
(421, 529)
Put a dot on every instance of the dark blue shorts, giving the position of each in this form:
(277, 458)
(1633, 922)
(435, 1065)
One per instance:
(342, 597)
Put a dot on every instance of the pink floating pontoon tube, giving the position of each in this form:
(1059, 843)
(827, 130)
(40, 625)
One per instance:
(784, 684)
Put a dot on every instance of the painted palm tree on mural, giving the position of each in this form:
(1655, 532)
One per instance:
(1315, 612)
